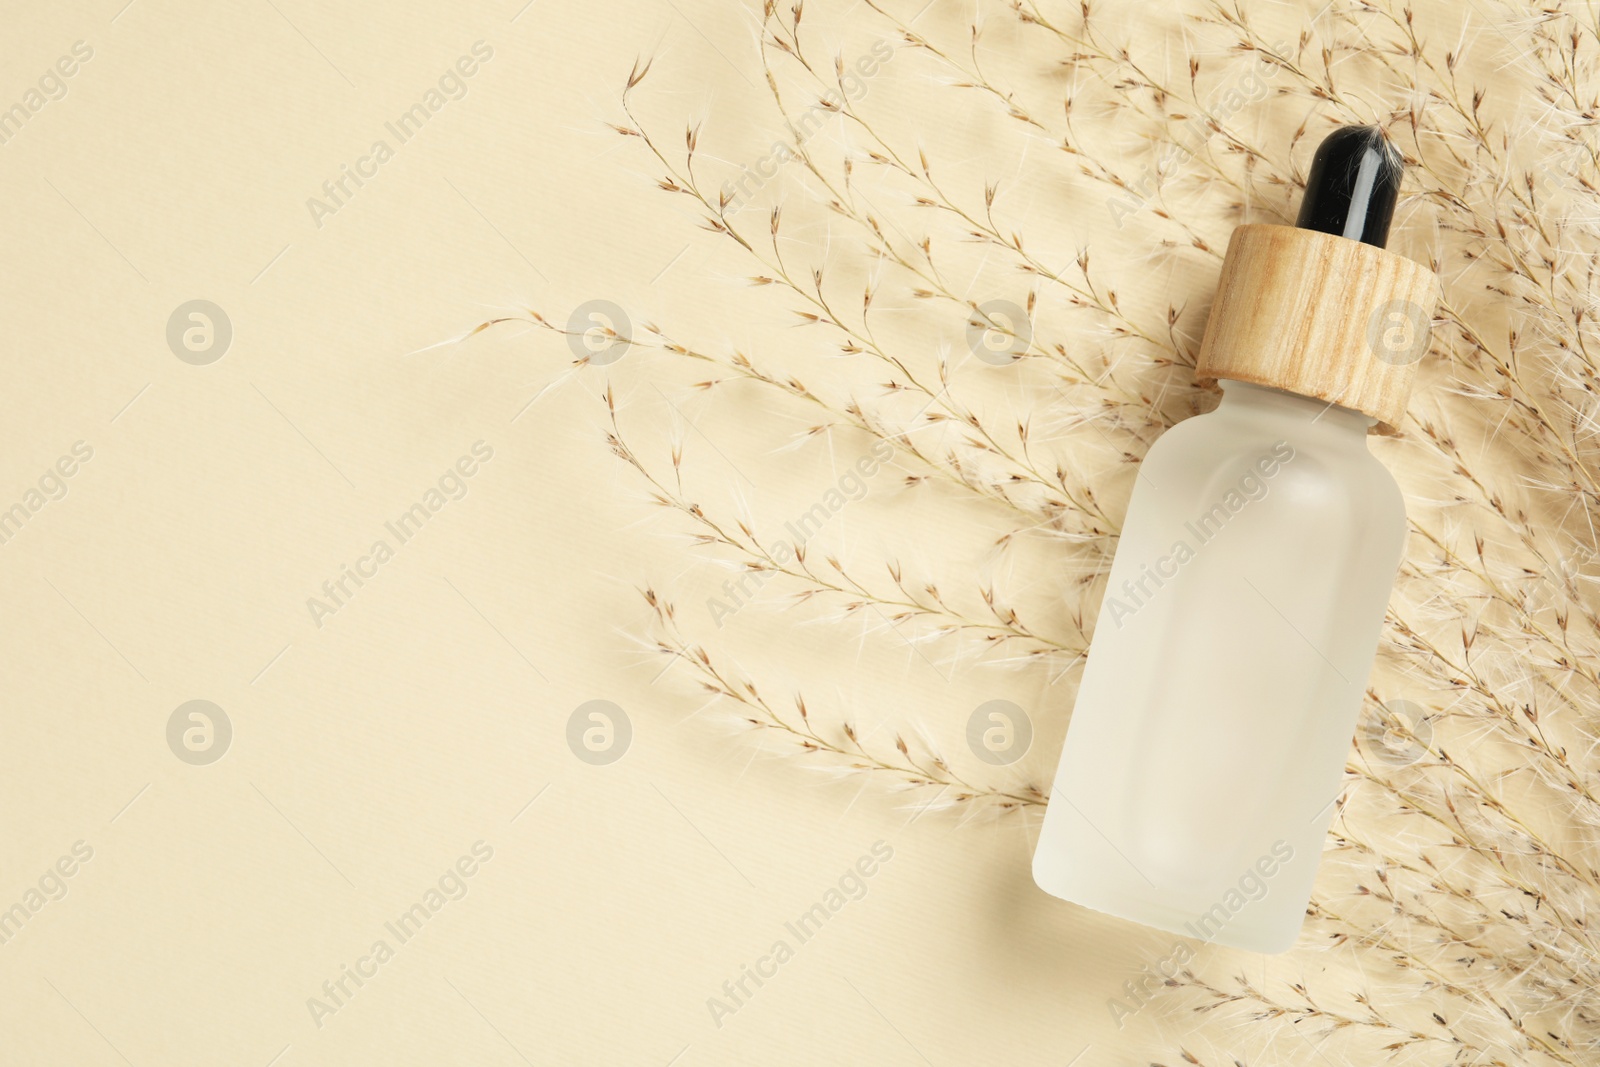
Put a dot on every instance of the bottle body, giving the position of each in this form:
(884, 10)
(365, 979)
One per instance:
(1241, 618)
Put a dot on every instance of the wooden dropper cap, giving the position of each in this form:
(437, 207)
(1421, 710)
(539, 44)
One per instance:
(1320, 308)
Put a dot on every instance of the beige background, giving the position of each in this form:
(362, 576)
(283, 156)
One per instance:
(372, 752)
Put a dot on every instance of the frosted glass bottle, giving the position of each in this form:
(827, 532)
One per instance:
(1233, 646)
(1246, 599)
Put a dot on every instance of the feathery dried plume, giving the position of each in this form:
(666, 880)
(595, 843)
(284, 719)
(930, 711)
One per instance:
(1451, 918)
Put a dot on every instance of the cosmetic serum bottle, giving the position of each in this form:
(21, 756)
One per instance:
(1245, 602)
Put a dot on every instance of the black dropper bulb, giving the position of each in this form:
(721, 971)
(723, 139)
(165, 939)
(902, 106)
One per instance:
(1353, 185)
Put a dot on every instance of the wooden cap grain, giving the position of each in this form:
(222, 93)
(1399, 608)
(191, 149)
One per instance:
(1320, 315)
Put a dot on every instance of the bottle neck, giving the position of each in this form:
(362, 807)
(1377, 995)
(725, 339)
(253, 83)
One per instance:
(1248, 398)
